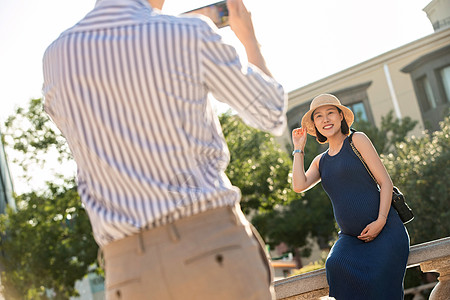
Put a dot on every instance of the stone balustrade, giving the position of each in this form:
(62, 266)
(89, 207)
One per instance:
(432, 256)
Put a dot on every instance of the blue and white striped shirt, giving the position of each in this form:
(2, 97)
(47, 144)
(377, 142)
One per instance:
(127, 86)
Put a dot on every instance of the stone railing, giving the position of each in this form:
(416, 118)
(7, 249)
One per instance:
(433, 256)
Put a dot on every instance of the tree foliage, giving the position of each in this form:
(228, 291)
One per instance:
(420, 168)
(30, 132)
(390, 132)
(258, 165)
(47, 243)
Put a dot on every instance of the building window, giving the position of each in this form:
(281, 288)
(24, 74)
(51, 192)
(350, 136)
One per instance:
(444, 75)
(430, 75)
(426, 96)
(356, 98)
(359, 111)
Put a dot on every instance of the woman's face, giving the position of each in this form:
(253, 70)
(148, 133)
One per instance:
(327, 120)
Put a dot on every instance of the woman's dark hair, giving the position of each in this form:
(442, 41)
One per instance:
(344, 128)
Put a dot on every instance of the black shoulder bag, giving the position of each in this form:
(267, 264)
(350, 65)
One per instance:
(398, 199)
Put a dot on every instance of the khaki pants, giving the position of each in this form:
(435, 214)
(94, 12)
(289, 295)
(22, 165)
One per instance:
(212, 255)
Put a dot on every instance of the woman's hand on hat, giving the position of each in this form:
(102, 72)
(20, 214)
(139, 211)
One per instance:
(299, 138)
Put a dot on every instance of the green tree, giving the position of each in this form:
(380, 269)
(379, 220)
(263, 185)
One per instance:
(420, 168)
(258, 165)
(30, 133)
(47, 243)
(390, 132)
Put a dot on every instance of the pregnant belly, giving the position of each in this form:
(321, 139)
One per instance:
(353, 217)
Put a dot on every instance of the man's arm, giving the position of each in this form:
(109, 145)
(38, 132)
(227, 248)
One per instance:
(241, 23)
(252, 92)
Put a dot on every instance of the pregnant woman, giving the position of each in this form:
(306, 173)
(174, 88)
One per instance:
(368, 261)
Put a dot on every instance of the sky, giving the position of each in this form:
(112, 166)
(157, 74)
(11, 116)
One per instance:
(302, 41)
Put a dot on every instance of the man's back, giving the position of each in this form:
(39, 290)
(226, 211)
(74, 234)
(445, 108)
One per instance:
(128, 88)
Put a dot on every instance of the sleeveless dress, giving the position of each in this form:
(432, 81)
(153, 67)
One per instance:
(358, 270)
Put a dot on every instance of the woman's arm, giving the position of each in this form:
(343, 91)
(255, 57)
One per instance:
(301, 180)
(373, 161)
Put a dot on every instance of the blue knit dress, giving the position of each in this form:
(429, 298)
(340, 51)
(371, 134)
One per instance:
(357, 269)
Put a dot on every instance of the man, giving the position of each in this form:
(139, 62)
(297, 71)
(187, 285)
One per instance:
(127, 86)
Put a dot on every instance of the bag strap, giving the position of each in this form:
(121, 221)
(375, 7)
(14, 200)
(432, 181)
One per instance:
(359, 155)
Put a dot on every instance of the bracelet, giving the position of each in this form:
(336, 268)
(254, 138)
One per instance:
(297, 151)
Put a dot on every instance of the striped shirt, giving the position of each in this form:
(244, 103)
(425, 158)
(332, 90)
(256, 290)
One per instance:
(127, 86)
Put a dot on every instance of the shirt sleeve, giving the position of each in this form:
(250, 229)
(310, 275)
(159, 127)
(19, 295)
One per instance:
(257, 98)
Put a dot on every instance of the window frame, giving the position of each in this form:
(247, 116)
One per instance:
(445, 93)
(429, 65)
(426, 102)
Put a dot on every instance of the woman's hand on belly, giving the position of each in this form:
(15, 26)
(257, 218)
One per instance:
(372, 230)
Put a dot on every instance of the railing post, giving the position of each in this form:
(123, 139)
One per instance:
(442, 266)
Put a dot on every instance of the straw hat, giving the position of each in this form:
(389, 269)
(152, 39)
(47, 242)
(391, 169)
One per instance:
(322, 100)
